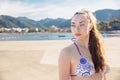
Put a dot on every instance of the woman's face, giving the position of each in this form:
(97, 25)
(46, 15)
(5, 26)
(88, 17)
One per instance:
(80, 26)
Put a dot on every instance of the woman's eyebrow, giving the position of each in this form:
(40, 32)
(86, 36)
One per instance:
(72, 22)
(82, 22)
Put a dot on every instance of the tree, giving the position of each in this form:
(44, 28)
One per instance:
(115, 24)
(103, 26)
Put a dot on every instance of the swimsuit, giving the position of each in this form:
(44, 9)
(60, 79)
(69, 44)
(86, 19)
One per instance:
(84, 68)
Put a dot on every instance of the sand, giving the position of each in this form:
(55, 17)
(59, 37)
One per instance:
(37, 60)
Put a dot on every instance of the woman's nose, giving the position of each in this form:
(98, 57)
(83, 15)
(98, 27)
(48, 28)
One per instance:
(77, 28)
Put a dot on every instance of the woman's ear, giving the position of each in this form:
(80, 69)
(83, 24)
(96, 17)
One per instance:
(90, 27)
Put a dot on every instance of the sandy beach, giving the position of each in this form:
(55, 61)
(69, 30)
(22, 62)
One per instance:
(38, 60)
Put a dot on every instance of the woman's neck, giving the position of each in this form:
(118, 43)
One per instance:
(83, 42)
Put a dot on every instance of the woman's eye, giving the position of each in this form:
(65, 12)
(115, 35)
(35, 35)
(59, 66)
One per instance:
(82, 25)
(72, 25)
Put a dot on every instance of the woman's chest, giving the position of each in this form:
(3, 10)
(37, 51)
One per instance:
(78, 60)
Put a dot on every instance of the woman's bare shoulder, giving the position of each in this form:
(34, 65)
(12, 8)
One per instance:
(65, 55)
(67, 50)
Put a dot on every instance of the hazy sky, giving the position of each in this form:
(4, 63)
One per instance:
(40, 9)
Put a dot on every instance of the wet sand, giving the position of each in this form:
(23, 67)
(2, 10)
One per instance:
(37, 60)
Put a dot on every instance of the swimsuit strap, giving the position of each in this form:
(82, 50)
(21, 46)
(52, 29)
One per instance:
(73, 39)
(73, 75)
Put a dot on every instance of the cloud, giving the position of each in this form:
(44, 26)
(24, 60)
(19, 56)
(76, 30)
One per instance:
(65, 9)
(33, 11)
(16, 9)
(13, 8)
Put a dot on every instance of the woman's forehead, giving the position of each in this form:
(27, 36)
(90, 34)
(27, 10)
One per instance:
(79, 18)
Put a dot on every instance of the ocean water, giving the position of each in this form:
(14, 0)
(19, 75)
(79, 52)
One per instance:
(41, 36)
(35, 36)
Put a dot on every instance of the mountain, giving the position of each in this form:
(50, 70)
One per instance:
(60, 22)
(8, 21)
(23, 22)
(107, 14)
(28, 22)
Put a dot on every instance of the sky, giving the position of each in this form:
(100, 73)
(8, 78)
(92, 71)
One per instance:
(41, 9)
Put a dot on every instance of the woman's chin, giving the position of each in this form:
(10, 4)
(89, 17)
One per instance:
(78, 38)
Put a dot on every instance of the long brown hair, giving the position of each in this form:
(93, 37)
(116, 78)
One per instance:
(95, 43)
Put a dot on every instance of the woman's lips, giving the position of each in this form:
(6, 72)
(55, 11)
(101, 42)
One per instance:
(77, 34)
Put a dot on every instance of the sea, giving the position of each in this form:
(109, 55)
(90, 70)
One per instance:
(40, 36)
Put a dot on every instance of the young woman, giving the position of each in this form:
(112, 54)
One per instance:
(85, 58)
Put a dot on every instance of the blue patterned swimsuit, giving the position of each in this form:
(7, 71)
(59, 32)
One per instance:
(84, 68)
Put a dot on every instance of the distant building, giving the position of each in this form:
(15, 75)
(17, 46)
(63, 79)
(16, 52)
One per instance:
(16, 30)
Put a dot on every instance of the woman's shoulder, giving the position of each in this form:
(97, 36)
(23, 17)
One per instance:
(68, 48)
(66, 51)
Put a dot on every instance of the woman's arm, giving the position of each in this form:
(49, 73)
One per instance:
(64, 65)
(106, 71)
(105, 77)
